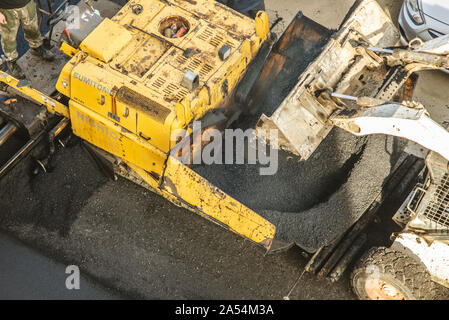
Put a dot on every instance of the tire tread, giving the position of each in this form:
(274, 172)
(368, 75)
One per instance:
(403, 268)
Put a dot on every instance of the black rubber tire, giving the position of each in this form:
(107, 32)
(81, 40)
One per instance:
(398, 270)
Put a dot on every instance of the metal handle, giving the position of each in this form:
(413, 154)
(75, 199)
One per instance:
(141, 135)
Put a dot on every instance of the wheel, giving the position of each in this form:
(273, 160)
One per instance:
(386, 274)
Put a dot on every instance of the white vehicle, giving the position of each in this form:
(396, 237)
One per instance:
(416, 266)
(424, 19)
(417, 262)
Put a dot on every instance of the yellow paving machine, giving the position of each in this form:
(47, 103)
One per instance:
(142, 83)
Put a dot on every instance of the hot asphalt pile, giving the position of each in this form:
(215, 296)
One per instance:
(313, 202)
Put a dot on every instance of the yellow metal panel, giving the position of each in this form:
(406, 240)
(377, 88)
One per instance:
(112, 138)
(139, 61)
(63, 85)
(185, 184)
(52, 105)
(183, 111)
(205, 63)
(93, 86)
(68, 49)
(126, 15)
(154, 26)
(153, 131)
(224, 78)
(106, 40)
(262, 25)
(222, 16)
(151, 179)
(167, 82)
(144, 116)
(128, 115)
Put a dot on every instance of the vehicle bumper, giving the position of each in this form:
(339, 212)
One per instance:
(409, 30)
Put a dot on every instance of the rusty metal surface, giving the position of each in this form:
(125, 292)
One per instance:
(300, 44)
(138, 101)
(343, 66)
(210, 10)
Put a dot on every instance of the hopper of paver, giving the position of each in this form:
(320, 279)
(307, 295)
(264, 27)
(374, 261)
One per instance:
(324, 178)
(344, 66)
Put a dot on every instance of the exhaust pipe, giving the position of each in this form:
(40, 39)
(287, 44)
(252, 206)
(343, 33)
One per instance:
(6, 132)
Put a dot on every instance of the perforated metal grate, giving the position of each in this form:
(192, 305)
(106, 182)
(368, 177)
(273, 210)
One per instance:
(438, 208)
(216, 39)
(161, 80)
(169, 90)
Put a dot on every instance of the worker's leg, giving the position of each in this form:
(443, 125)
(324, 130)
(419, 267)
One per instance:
(28, 16)
(8, 32)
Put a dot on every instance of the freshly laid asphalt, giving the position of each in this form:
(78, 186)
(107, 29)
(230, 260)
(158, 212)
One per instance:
(27, 274)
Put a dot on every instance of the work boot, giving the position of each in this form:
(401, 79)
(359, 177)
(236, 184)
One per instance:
(43, 53)
(15, 70)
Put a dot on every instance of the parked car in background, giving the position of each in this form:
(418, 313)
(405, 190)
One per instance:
(425, 19)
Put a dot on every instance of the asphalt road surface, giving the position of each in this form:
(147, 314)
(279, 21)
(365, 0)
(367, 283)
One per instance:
(27, 274)
(131, 243)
